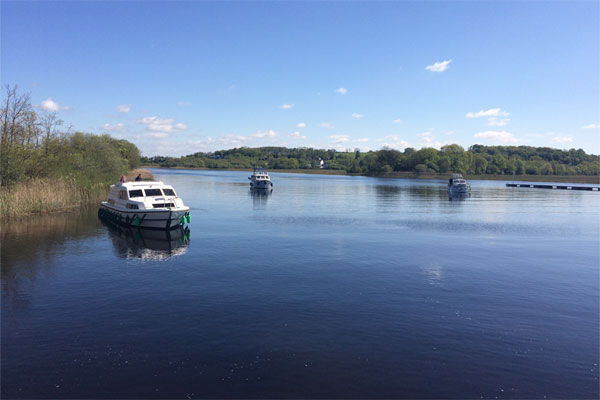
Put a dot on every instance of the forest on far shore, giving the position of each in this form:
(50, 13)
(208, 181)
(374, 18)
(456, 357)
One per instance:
(476, 160)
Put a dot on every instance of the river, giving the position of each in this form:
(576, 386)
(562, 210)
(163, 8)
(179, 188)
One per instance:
(329, 287)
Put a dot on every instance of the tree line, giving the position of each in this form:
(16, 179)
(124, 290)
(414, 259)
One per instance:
(476, 160)
(37, 145)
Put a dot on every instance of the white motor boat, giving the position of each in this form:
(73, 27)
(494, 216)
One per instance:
(260, 179)
(144, 204)
(458, 184)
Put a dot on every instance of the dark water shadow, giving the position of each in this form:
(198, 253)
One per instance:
(29, 244)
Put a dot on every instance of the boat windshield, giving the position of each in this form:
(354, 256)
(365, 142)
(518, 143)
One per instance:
(135, 193)
(153, 192)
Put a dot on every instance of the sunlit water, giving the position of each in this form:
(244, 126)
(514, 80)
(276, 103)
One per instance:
(331, 286)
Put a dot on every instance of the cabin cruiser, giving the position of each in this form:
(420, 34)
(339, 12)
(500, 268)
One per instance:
(260, 179)
(144, 204)
(457, 184)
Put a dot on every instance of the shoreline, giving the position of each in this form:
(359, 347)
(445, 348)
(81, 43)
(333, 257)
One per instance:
(36, 201)
(43, 196)
(587, 179)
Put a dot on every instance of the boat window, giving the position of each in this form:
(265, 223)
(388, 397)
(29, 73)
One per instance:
(123, 194)
(168, 192)
(153, 192)
(136, 193)
(163, 205)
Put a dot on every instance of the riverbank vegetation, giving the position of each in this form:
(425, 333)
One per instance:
(477, 160)
(44, 167)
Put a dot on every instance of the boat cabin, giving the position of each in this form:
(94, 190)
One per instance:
(456, 179)
(143, 195)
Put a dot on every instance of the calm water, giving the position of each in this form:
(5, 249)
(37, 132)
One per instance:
(329, 287)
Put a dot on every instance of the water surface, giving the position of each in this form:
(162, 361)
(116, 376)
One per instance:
(330, 286)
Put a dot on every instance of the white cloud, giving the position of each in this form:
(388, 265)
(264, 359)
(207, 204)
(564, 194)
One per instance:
(591, 126)
(226, 141)
(124, 108)
(499, 136)
(562, 139)
(286, 106)
(427, 137)
(338, 142)
(361, 140)
(167, 125)
(337, 139)
(115, 127)
(397, 121)
(157, 135)
(394, 142)
(342, 91)
(327, 125)
(429, 140)
(301, 125)
(439, 66)
(357, 115)
(297, 135)
(49, 105)
(492, 112)
(494, 121)
(184, 103)
(263, 134)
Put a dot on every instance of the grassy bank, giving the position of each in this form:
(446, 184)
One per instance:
(414, 175)
(146, 175)
(45, 195)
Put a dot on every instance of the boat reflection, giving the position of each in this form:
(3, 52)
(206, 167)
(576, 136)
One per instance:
(259, 192)
(457, 196)
(148, 245)
(260, 197)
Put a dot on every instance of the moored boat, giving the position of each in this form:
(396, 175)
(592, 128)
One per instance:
(144, 204)
(260, 179)
(458, 184)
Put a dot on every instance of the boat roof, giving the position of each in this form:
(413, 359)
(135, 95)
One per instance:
(260, 169)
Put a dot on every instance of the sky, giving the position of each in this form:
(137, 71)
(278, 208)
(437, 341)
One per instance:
(177, 78)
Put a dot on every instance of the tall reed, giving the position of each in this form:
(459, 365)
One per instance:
(42, 195)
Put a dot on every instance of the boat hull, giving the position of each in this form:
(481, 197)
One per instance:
(148, 219)
(459, 189)
(265, 185)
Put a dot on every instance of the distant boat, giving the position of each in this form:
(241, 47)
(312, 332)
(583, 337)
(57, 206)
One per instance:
(458, 184)
(260, 179)
(144, 204)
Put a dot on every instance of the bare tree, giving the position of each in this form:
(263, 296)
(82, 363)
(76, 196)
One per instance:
(49, 124)
(16, 113)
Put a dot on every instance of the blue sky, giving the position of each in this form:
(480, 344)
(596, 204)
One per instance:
(180, 77)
